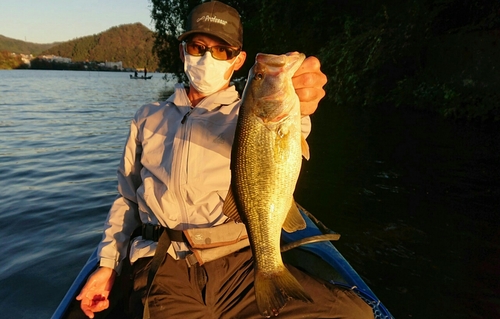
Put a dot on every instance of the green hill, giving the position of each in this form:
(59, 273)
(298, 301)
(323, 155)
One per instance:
(18, 46)
(130, 43)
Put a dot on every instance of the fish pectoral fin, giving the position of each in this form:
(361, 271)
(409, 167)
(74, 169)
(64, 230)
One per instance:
(294, 220)
(305, 148)
(229, 208)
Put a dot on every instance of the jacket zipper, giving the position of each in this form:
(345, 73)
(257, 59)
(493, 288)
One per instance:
(181, 167)
(184, 118)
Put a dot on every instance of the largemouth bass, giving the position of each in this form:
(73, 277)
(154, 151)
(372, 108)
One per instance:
(265, 165)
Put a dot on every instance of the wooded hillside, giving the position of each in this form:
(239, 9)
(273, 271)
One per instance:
(131, 43)
(18, 46)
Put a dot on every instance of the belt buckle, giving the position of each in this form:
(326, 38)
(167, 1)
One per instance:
(151, 232)
(157, 231)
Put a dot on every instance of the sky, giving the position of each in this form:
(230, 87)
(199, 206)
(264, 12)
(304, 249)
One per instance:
(47, 21)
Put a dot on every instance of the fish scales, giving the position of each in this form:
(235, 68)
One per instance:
(265, 165)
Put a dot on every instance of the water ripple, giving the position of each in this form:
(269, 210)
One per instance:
(62, 134)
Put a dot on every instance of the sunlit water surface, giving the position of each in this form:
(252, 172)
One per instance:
(415, 197)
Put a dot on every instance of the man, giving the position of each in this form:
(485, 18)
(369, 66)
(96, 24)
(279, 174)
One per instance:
(175, 173)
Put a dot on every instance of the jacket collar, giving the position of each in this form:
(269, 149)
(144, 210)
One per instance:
(223, 97)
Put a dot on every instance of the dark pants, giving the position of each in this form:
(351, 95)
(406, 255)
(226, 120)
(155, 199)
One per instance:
(224, 289)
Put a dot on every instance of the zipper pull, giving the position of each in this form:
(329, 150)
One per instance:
(186, 116)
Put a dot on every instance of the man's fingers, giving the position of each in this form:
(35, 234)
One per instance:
(91, 301)
(88, 313)
(308, 108)
(83, 293)
(86, 307)
(309, 80)
(99, 304)
(309, 99)
(310, 94)
(310, 65)
(94, 295)
(96, 304)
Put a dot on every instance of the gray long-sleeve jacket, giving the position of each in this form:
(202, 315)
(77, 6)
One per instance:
(174, 172)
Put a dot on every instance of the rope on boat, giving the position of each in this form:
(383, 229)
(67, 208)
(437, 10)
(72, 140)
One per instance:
(328, 234)
(309, 240)
(324, 229)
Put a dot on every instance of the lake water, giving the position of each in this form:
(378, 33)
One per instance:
(416, 198)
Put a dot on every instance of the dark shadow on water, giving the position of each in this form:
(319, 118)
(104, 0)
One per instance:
(415, 198)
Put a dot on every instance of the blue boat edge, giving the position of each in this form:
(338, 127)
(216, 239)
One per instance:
(73, 291)
(346, 277)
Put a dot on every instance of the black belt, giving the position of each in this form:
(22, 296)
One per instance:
(153, 232)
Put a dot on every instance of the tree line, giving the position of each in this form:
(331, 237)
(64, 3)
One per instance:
(438, 55)
(9, 61)
(18, 46)
(131, 43)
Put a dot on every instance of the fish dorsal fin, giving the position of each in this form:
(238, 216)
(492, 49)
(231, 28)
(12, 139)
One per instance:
(305, 147)
(229, 208)
(294, 220)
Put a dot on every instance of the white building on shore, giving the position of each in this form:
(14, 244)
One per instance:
(55, 58)
(112, 65)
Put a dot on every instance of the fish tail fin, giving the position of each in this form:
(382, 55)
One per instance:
(273, 291)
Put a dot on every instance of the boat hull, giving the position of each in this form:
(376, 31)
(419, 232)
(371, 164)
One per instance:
(140, 77)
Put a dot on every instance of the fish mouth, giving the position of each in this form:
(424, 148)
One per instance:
(282, 62)
(271, 59)
(279, 60)
(275, 72)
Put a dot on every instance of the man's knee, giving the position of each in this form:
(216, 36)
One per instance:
(351, 305)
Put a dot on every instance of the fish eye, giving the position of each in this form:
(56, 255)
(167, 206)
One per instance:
(258, 76)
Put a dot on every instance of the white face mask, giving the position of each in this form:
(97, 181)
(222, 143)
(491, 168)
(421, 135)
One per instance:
(205, 73)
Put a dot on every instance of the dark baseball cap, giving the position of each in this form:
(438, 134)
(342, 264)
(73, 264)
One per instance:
(217, 19)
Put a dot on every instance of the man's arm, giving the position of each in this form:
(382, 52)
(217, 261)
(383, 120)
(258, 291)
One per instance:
(122, 220)
(123, 217)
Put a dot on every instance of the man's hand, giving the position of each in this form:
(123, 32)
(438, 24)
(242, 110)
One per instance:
(94, 294)
(308, 82)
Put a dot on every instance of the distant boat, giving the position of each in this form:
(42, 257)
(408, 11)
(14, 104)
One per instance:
(142, 77)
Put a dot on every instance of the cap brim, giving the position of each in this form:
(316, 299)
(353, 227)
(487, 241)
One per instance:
(226, 39)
